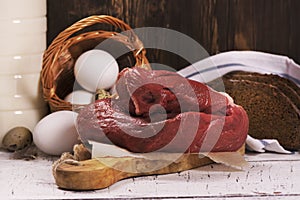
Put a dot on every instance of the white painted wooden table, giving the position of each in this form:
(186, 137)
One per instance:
(270, 176)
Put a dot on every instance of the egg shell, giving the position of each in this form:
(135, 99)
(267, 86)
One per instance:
(96, 69)
(80, 97)
(56, 133)
(17, 138)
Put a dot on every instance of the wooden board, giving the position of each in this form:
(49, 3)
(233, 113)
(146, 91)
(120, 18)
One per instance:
(93, 174)
(100, 173)
(269, 26)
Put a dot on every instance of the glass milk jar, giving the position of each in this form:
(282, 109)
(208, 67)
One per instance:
(22, 42)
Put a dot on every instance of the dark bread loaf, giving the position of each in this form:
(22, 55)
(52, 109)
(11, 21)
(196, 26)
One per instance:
(271, 102)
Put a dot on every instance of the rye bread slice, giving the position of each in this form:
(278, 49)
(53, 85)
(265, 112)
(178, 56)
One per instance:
(289, 88)
(271, 102)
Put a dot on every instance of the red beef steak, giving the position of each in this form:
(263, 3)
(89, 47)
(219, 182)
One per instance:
(162, 111)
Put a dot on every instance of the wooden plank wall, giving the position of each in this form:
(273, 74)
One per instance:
(218, 25)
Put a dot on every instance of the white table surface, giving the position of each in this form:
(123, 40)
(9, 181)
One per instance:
(270, 176)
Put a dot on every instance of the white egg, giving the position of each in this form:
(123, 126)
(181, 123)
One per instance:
(56, 133)
(80, 97)
(96, 69)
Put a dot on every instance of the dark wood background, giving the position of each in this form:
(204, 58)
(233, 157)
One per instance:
(218, 25)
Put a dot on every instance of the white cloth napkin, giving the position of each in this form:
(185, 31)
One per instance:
(215, 66)
(264, 145)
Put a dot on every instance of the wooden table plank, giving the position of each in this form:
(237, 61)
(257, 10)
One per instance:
(268, 175)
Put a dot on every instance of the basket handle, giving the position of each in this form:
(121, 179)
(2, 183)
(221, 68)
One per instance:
(52, 52)
(96, 19)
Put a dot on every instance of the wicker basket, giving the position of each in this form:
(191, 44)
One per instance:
(57, 75)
